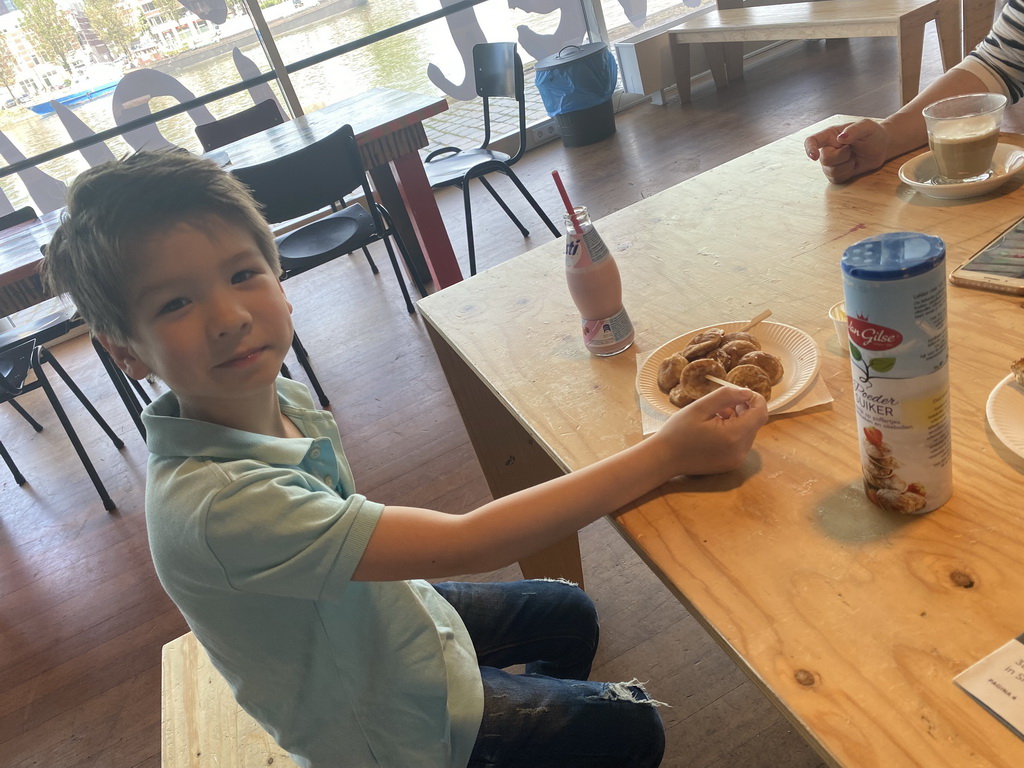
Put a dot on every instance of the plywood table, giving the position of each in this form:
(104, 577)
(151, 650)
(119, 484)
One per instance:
(852, 620)
(732, 25)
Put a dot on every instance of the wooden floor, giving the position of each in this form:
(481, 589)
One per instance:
(82, 616)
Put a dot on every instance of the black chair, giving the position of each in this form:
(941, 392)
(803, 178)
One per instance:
(20, 216)
(256, 118)
(21, 348)
(314, 178)
(499, 74)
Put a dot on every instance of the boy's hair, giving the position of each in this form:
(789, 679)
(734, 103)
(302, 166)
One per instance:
(113, 207)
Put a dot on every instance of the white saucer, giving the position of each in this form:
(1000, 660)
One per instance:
(919, 174)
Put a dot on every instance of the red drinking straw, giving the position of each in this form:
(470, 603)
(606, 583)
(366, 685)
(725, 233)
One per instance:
(565, 199)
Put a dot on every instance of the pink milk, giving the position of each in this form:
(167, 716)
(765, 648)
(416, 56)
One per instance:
(595, 286)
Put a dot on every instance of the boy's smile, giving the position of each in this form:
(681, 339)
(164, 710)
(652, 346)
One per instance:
(210, 318)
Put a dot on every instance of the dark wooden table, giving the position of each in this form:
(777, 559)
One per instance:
(388, 125)
(20, 256)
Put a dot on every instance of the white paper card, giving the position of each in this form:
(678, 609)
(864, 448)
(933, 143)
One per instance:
(997, 683)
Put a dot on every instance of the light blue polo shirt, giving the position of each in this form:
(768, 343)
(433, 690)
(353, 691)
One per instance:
(255, 538)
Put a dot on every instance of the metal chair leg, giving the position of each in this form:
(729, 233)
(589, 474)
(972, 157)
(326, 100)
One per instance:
(18, 477)
(45, 356)
(124, 390)
(504, 206)
(389, 223)
(398, 274)
(369, 260)
(37, 366)
(303, 358)
(529, 198)
(469, 228)
(26, 415)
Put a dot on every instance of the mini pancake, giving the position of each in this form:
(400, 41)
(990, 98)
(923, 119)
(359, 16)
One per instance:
(669, 370)
(767, 362)
(751, 377)
(742, 336)
(721, 356)
(678, 397)
(736, 350)
(703, 343)
(694, 378)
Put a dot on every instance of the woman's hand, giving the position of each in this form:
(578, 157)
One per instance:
(849, 150)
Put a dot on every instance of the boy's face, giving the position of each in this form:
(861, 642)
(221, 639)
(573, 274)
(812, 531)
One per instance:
(208, 316)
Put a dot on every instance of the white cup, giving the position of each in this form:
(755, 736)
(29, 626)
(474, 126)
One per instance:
(838, 315)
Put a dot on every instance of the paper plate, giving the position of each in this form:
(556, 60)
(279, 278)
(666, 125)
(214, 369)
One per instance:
(1005, 412)
(919, 173)
(796, 350)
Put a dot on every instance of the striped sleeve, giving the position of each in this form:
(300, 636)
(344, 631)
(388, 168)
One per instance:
(1002, 53)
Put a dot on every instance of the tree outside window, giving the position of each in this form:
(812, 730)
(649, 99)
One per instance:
(113, 25)
(50, 30)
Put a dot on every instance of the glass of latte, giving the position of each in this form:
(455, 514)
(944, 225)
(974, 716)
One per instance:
(962, 133)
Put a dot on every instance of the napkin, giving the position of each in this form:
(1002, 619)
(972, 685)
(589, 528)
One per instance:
(817, 393)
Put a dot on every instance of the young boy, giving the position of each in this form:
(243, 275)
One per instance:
(301, 590)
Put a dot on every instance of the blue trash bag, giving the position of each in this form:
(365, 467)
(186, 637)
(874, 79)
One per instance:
(578, 84)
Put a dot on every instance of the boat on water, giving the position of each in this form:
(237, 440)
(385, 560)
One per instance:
(73, 99)
(93, 83)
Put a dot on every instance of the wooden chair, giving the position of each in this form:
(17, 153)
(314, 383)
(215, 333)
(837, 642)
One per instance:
(201, 724)
(256, 118)
(317, 177)
(499, 74)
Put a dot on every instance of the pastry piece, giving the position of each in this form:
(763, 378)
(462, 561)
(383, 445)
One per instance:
(737, 349)
(669, 370)
(703, 343)
(721, 356)
(694, 379)
(742, 336)
(767, 362)
(678, 396)
(751, 377)
(1017, 369)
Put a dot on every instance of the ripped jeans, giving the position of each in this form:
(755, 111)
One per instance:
(550, 717)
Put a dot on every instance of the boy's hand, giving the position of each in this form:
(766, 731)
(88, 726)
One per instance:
(849, 150)
(714, 434)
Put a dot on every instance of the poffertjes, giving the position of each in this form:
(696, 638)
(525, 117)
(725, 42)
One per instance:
(683, 375)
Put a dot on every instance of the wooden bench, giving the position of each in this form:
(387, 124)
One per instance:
(827, 19)
(202, 725)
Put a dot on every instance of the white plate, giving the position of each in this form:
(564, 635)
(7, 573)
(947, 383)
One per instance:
(919, 174)
(796, 350)
(1005, 411)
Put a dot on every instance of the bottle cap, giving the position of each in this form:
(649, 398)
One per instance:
(893, 256)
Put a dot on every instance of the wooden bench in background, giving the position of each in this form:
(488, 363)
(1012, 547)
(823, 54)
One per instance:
(202, 725)
(723, 31)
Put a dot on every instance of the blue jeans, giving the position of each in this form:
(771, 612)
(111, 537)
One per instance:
(550, 717)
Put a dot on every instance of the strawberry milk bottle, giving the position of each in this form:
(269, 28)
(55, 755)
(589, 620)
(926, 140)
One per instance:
(895, 290)
(594, 284)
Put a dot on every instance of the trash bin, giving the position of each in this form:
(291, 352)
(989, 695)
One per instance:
(576, 86)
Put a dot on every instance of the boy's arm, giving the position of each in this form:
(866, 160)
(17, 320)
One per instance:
(420, 543)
